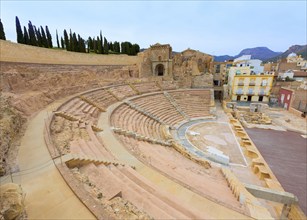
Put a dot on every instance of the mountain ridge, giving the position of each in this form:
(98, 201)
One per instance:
(298, 49)
(261, 53)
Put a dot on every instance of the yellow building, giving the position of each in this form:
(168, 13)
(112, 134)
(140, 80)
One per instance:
(244, 86)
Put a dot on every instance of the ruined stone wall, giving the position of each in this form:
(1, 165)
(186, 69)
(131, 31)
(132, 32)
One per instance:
(191, 68)
(33, 86)
(191, 63)
(13, 52)
(202, 81)
(156, 55)
(145, 67)
(26, 88)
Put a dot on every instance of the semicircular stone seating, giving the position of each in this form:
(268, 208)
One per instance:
(138, 122)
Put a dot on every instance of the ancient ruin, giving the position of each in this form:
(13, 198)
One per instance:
(128, 137)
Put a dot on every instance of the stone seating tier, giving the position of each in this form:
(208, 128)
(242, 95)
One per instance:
(193, 103)
(146, 87)
(159, 106)
(124, 182)
(123, 91)
(130, 119)
(102, 97)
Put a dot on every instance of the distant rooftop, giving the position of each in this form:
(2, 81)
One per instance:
(292, 55)
(244, 57)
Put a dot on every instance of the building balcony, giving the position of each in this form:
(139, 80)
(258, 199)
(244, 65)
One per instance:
(240, 84)
(252, 84)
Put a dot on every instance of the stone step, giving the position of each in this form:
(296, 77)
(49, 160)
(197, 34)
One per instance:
(91, 102)
(176, 106)
(113, 94)
(76, 160)
(140, 137)
(148, 114)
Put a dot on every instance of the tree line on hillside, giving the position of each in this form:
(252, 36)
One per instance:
(41, 37)
(33, 36)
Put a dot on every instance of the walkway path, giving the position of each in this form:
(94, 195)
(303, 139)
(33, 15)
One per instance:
(47, 194)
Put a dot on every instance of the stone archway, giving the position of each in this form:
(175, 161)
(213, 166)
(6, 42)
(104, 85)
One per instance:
(159, 71)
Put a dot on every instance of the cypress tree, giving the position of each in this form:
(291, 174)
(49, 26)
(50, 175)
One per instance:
(116, 47)
(101, 43)
(132, 50)
(62, 43)
(135, 48)
(2, 34)
(89, 44)
(105, 46)
(123, 48)
(75, 42)
(49, 39)
(44, 38)
(20, 38)
(94, 45)
(26, 36)
(57, 39)
(38, 36)
(71, 42)
(82, 45)
(33, 40)
(111, 46)
(66, 40)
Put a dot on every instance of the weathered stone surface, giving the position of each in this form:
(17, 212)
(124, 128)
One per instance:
(202, 81)
(11, 127)
(191, 63)
(11, 202)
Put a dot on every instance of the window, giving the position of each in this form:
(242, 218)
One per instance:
(252, 82)
(239, 91)
(264, 82)
(288, 97)
(241, 82)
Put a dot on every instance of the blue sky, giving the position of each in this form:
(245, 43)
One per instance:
(214, 27)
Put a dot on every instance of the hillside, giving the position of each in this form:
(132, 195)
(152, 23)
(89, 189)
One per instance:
(261, 53)
(298, 49)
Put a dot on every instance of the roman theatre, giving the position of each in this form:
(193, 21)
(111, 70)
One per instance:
(142, 137)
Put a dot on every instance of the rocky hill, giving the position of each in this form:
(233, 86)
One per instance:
(298, 49)
(261, 53)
